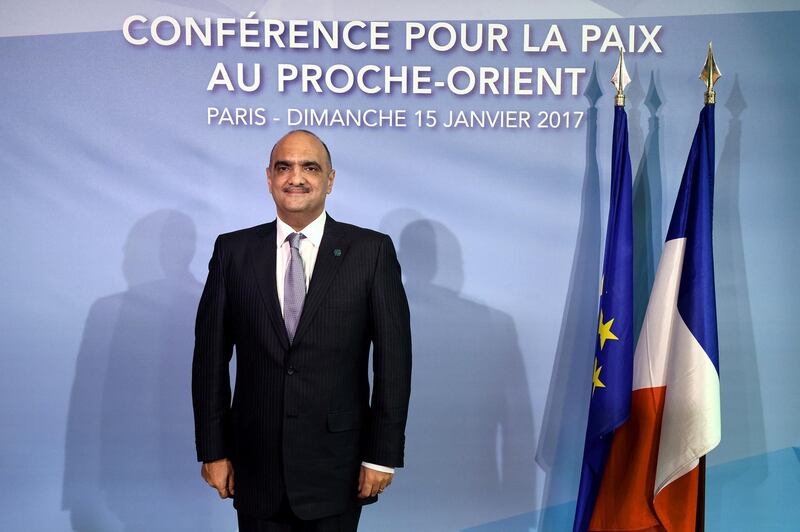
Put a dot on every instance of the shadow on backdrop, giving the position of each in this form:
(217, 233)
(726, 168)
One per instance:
(647, 210)
(560, 446)
(634, 97)
(470, 435)
(742, 407)
(130, 460)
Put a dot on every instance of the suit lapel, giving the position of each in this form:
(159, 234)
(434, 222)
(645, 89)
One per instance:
(332, 250)
(263, 261)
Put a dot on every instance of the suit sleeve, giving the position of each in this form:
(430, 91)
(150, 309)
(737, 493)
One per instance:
(391, 361)
(211, 392)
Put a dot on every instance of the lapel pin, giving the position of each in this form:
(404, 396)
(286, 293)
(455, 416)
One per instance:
(337, 252)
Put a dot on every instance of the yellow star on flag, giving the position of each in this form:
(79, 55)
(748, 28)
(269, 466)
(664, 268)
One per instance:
(604, 330)
(596, 383)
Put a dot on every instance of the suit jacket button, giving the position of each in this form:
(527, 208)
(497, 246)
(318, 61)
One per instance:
(290, 370)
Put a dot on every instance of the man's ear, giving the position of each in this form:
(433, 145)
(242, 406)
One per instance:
(331, 177)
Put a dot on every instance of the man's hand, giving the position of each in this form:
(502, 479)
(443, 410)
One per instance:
(219, 475)
(372, 482)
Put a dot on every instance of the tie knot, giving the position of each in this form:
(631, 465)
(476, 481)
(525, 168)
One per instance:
(294, 240)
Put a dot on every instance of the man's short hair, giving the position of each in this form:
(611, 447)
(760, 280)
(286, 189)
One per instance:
(307, 132)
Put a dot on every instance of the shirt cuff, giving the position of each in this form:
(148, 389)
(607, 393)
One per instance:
(382, 469)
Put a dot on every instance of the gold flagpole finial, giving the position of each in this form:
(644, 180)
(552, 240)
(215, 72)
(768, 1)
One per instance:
(620, 79)
(710, 75)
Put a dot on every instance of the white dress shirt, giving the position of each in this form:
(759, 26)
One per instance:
(309, 247)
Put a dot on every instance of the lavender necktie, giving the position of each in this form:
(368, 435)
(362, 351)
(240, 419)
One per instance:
(294, 286)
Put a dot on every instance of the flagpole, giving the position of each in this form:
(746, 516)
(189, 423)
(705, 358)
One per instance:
(620, 79)
(612, 372)
(710, 74)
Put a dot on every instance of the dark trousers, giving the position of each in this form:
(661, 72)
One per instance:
(286, 521)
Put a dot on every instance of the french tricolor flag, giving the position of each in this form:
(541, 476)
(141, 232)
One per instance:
(653, 477)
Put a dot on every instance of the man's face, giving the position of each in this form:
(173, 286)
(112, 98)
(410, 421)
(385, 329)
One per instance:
(299, 177)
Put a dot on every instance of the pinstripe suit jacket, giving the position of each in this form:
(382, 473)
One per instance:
(301, 420)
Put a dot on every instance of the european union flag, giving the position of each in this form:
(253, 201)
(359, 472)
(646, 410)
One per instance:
(612, 371)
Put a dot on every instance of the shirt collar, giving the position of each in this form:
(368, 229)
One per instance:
(312, 232)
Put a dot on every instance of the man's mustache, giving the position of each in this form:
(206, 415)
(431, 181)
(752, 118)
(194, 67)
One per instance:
(296, 188)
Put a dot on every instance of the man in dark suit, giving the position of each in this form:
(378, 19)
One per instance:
(302, 299)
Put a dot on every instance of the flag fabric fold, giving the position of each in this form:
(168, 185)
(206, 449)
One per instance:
(653, 477)
(613, 361)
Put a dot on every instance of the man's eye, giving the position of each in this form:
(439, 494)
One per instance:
(312, 169)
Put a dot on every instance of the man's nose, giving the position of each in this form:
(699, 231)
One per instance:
(296, 176)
